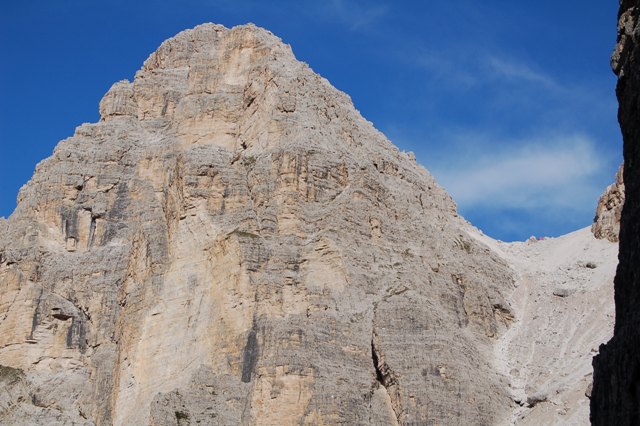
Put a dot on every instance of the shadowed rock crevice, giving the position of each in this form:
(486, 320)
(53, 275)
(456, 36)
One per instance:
(384, 375)
(92, 231)
(387, 379)
(250, 355)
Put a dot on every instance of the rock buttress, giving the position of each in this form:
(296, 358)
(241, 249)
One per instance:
(616, 390)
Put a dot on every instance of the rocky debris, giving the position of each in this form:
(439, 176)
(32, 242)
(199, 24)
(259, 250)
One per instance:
(233, 243)
(606, 223)
(536, 398)
(562, 292)
(560, 312)
(616, 382)
(23, 402)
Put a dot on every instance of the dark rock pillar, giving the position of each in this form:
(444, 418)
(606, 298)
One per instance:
(616, 390)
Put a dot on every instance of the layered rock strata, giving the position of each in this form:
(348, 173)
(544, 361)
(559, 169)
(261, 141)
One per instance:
(616, 389)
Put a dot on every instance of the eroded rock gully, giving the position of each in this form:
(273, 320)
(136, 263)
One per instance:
(232, 243)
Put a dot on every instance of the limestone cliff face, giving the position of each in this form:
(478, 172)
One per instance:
(607, 220)
(616, 390)
(234, 244)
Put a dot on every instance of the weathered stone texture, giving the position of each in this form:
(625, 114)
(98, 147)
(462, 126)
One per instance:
(234, 244)
(616, 388)
(606, 223)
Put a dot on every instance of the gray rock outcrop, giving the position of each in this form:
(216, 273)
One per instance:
(615, 397)
(234, 244)
(606, 223)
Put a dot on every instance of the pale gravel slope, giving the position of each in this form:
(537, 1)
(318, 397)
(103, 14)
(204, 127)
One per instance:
(563, 311)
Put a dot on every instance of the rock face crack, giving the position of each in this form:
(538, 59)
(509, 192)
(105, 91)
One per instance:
(386, 377)
(92, 232)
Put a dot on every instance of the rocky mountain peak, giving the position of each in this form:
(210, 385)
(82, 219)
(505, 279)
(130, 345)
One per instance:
(235, 88)
(232, 243)
(232, 223)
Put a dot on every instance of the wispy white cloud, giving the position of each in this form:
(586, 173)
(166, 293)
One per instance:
(353, 14)
(478, 68)
(522, 155)
(455, 70)
(554, 173)
(515, 70)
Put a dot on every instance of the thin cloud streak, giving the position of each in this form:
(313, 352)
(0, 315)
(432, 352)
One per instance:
(455, 71)
(551, 174)
(512, 69)
(356, 16)
(472, 69)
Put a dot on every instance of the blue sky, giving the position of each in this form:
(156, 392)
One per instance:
(510, 105)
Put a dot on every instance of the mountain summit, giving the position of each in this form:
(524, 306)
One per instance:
(232, 243)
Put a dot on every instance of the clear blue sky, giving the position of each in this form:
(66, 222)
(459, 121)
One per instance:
(509, 104)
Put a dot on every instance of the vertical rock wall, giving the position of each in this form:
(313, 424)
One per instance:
(616, 390)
